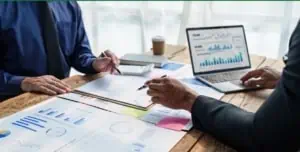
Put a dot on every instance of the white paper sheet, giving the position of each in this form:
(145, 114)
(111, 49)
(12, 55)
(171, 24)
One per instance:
(123, 134)
(61, 125)
(120, 88)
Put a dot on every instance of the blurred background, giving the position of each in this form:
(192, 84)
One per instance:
(128, 26)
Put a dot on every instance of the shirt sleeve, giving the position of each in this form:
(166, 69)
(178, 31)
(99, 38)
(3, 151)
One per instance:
(274, 127)
(82, 58)
(10, 85)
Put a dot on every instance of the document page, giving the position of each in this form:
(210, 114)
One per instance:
(125, 134)
(119, 88)
(60, 125)
(46, 127)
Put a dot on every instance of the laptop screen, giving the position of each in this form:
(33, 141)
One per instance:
(215, 49)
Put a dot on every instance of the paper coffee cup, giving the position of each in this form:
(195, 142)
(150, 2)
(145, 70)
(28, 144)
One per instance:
(158, 45)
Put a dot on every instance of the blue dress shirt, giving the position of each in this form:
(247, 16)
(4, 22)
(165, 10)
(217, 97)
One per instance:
(22, 50)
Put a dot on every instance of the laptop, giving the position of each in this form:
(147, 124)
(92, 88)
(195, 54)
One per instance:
(219, 56)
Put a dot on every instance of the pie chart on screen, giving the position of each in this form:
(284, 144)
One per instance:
(4, 133)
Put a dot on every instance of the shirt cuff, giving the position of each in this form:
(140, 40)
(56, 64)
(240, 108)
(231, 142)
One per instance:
(14, 84)
(197, 105)
(90, 69)
(196, 113)
(202, 108)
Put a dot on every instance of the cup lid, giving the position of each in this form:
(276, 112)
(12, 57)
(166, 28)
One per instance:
(158, 38)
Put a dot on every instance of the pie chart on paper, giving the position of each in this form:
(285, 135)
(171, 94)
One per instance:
(4, 133)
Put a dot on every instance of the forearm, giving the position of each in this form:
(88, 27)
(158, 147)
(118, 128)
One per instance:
(226, 122)
(83, 62)
(275, 123)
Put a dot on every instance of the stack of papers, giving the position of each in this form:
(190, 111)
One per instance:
(158, 115)
(107, 114)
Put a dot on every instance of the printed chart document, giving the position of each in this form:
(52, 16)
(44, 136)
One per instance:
(119, 89)
(58, 125)
(105, 105)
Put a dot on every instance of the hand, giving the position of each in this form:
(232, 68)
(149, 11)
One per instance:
(106, 63)
(171, 93)
(45, 84)
(266, 78)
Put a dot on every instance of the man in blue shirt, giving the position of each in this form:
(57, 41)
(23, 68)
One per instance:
(23, 57)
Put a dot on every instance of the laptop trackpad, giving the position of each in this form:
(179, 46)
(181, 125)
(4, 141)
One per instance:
(230, 86)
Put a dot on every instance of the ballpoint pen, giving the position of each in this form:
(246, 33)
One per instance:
(145, 86)
(104, 54)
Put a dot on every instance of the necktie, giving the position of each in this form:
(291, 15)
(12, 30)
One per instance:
(51, 42)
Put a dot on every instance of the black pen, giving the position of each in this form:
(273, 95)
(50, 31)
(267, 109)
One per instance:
(104, 54)
(145, 86)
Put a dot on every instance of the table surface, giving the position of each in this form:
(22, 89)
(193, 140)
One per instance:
(194, 140)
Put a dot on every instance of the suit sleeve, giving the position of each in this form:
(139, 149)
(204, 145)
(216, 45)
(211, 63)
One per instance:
(82, 57)
(276, 124)
(10, 85)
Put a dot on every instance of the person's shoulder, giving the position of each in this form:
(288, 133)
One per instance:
(7, 7)
(69, 4)
(68, 8)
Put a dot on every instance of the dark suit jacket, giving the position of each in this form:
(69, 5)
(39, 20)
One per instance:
(276, 124)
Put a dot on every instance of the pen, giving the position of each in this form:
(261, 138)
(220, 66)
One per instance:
(104, 54)
(145, 86)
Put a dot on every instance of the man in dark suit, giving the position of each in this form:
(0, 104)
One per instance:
(40, 42)
(274, 127)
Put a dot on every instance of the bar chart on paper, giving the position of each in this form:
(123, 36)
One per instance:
(76, 117)
(238, 58)
(30, 123)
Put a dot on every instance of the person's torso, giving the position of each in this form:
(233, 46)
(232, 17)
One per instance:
(22, 46)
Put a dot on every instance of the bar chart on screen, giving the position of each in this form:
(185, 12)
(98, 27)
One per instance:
(219, 47)
(238, 58)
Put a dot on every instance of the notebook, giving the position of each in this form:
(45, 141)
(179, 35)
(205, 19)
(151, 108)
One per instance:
(143, 59)
(118, 89)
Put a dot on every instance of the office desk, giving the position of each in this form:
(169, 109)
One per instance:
(194, 140)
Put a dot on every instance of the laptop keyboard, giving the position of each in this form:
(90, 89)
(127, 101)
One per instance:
(224, 76)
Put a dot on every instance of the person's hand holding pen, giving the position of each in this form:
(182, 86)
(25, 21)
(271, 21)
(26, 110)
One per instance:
(146, 84)
(107, 62)
(171, 93)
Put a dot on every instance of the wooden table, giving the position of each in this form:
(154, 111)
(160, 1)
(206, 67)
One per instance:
(194, 140)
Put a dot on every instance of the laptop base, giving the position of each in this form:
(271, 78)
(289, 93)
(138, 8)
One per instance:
(228, 86)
